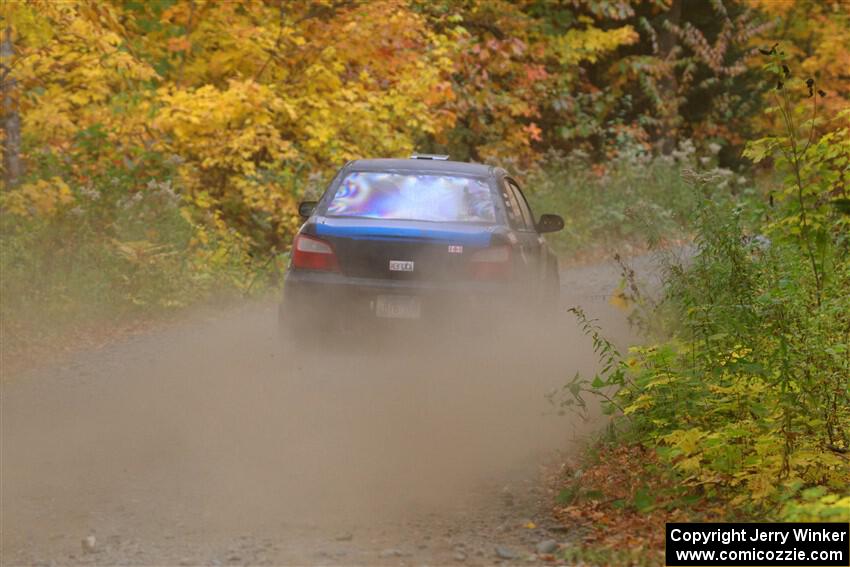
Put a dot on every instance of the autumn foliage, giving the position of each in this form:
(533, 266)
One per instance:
(154, 152)
(171, 140)
(743, 402)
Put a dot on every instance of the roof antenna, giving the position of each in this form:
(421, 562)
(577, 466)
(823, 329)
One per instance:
(439, 157)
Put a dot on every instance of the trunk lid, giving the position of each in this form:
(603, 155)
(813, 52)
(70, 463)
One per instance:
(404, 250)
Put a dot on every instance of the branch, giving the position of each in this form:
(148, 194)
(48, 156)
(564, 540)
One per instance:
(814, 116)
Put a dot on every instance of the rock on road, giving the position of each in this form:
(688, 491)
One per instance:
(207, 443)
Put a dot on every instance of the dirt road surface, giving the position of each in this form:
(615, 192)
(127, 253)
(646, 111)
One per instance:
(208, 443)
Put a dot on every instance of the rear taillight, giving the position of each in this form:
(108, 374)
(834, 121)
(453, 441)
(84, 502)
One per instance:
(309, 253)
(491, 263)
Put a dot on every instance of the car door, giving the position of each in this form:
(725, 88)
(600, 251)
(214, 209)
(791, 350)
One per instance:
(530, 243)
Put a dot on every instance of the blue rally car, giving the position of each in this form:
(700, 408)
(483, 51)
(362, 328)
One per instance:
(417, 239)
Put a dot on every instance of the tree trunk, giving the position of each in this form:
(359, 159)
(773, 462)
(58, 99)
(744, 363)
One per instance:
(12, 168)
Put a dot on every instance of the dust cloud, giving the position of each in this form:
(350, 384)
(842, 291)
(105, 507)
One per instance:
(214, 427)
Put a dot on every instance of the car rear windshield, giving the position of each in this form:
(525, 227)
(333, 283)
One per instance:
(413, 196)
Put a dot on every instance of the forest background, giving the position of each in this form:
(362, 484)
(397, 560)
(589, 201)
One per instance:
(154, 153)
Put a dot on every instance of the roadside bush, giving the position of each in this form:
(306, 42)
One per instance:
(95, 235)
(749, 399)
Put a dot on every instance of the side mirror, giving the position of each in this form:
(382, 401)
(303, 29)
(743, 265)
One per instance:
(550, 223)
(306, 208)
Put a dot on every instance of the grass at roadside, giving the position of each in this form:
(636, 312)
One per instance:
(73, 277)
(631, 201)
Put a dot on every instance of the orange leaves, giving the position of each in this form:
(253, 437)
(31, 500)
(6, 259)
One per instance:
(177, 44)
(533, 132)
(620, 501)
(535, 73)
(814, 36)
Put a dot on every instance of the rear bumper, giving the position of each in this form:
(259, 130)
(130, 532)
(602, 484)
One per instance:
(329, 298)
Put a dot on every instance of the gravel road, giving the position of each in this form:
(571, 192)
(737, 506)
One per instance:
(209, 443)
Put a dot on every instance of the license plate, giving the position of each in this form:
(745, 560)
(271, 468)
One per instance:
(398, 307)
(401, 266)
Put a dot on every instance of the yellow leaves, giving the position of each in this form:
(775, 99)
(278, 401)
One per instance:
(758, 150)
(738, 353)
(31, 28)
(642, 402)
(762, 484)
(231, 105)
(686, 440)
(202, 200)
(716, 389)
(373, 77)
(41, 198)
(71, 59)
(619, 300)
(689, 465)
(236, 128)
(589, 44)
(233, 136)
(812, 457)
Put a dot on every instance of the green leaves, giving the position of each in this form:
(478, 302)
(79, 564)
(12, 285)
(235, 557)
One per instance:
(643, 501)
(604, 385)
(761, 149)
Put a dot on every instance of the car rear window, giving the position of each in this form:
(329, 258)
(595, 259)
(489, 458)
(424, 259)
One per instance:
(409, 196)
